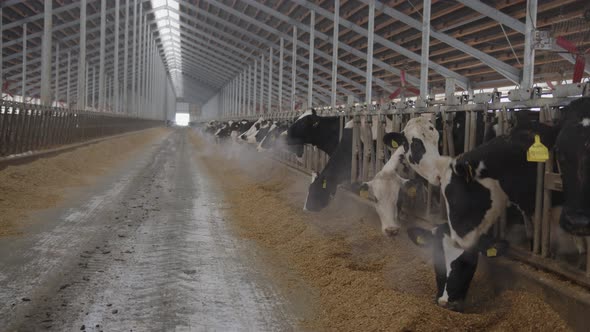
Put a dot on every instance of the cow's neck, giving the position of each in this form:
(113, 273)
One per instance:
(326, 134)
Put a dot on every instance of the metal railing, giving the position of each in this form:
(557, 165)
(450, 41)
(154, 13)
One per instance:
(31, 127)
(368, 160)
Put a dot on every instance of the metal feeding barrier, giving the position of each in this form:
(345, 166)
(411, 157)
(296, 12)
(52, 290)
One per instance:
(369, 159)
(31, 127)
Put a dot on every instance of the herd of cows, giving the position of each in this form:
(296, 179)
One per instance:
(477, 186)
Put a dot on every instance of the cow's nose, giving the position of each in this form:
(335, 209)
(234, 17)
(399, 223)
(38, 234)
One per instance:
(575, 222)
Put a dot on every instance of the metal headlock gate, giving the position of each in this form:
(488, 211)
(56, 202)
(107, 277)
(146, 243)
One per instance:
(368, 160)
(31, 127)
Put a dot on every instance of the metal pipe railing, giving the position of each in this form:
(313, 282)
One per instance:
(30, 127)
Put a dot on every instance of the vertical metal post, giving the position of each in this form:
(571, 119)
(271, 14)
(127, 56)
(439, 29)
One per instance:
(56, 98)
(249, 85)
(82, 69)
(24, 63)
(425, 50)
(293, 66)
(101, 72)
(68, 92)
(94, 87)
(140, 37)
(335, 51)
(281, 51)
(46, 53)
(1, 57)
(255, 87)
(370, 36)
(262, 85)
(528, 69)
(116, 59)
(126, 57)
(84, 102)
(269, 107)
(311, 55)
(134, 60)
(538, 208)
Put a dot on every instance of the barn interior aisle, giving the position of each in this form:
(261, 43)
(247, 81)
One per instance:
(146, 247)
(357, 279)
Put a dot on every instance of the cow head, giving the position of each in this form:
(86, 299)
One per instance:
(573, 155)
(420, 142)
(273, 135)
(454, 267)
(301, 131)
(320, 192)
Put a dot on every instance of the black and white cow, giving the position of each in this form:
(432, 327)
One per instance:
(336, 171)
(573, 155)
(478, 185)
(309, 128)
(275, 132)
(454, 267)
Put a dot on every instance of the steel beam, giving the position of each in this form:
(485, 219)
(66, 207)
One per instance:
(116, 59)
(46, 43)
(24, 62)
(370, 40)
(293, 66)
(425, 50)
(101, 72)
(529, 50)
(126, 58)
(281, 55)
(504, 69)
(494, 14)
(56, 72)
(336, 21)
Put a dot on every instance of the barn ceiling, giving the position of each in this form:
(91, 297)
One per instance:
(204, 44)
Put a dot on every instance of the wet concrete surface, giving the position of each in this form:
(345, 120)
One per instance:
(146, 249)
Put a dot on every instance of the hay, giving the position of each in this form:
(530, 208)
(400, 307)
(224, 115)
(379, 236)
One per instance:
(42, 183)
(364, 281)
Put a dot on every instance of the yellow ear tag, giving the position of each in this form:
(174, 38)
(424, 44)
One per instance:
(538, 152)
(411, 191)
(364, 194)
(324, 184)
(394, 144)
(420, 240)
(492, 252)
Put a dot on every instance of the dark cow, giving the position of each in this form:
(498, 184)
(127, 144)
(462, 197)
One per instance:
(573, 155)
(336, 171)
(479, 184)
(453, 267)
(309, 128)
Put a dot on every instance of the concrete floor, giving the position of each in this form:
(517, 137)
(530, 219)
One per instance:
(145, 249)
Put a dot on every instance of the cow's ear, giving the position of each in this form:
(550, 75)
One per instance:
(394, 140)
(420, 236)
(313, 111)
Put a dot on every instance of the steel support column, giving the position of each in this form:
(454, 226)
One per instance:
(46, 53)
(335, 51)
(56, 72)
(68, 86)
(529, 51)
(370, 38)
(269, 106)
(126, 58)
(255, 86)
(425, 50)
(293, 67)
(262, 85)
(311, 58)
(281, 55)
(116, 59)
(134, 61)
(101, 73)
(24, 60)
